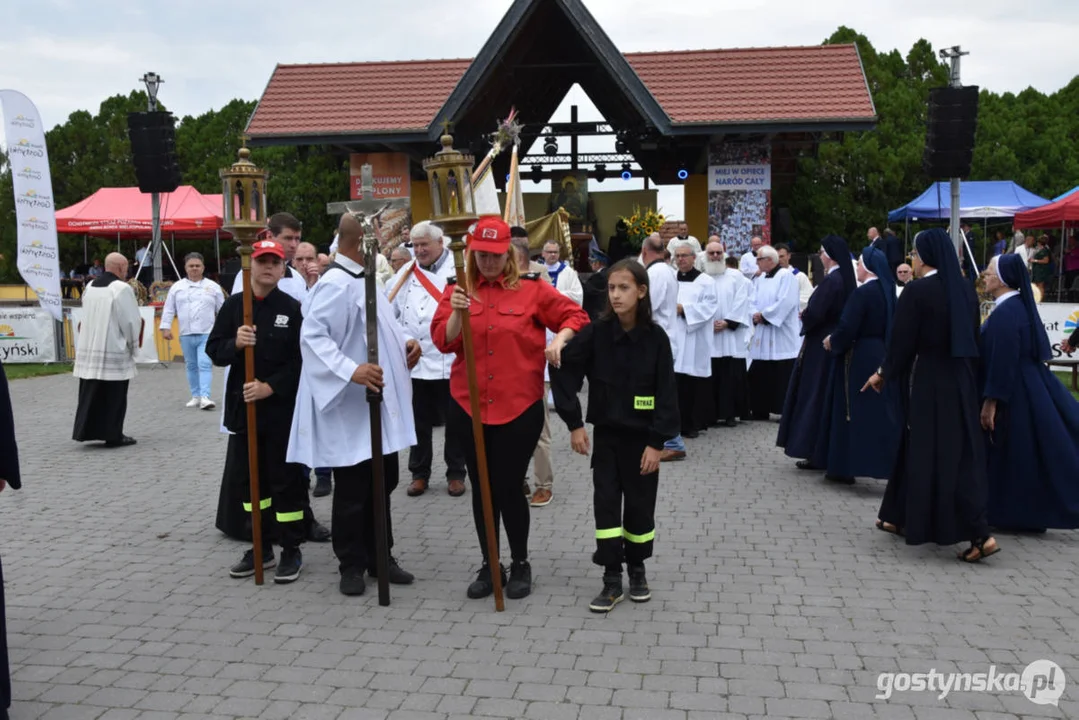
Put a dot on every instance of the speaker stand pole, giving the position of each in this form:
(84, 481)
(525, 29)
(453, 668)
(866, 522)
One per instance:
(954, 54)
(155, 208)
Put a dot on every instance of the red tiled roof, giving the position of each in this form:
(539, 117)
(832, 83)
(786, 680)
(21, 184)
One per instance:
(353, 98)
(821, 82)
(744, 86)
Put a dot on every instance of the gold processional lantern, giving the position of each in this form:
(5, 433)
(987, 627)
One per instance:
(243, 188)
(449, 175)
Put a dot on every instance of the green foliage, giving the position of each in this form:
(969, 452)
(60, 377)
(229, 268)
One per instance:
(1031, 138)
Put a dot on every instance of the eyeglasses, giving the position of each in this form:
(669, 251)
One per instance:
(713, 253)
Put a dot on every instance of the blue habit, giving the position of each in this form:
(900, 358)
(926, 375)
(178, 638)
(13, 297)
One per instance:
(805, 403)
(1034, 447)
(865, 426)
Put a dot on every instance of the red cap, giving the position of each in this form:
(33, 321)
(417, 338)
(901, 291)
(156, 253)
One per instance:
(490, 234)
(268, 247)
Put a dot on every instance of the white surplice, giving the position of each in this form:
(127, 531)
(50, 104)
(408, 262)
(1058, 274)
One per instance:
(745, 333)
(694, 326)
(732, 305)
(331, 426)
(109, 336)
(663, 289)
(776, 298)
(415, 307)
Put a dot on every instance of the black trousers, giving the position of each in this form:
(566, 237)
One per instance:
(624, 501)
(354, 513)
(768, 380)
(5, 670)
(282, 488)
(430, 405)
(509, 448)
(729, 393)
(693, 401)
(101, 410)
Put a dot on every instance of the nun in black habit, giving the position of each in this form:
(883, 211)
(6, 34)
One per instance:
(864, 432)
(9, 475)
(805, 409)
(938, 490)
(1032, 421)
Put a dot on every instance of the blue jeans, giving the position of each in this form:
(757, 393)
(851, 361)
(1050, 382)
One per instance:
(197, 363)
(677, 444)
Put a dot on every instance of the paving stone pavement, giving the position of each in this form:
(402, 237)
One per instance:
(773, 596)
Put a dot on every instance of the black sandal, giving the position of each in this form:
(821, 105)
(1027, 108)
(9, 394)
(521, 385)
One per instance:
(888, 528)
(977, 550)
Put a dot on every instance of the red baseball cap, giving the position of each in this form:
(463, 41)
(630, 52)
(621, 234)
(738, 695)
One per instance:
(268, 247)
(490, 234)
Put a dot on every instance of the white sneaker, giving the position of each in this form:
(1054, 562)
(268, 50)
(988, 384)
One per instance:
(193, 402)
(206, 404)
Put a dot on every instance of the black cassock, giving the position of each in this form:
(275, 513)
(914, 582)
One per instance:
(1034, 447)
(937, 491)
(864, 433)
(9, 471)
(805, 404)
(595, 294)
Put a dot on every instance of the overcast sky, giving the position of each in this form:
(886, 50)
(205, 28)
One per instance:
(68, 55)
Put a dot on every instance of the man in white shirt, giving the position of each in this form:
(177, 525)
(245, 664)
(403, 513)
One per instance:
(805, 287)
(748, 263)
(331, 426)
(663, 289)
(776, 339)
(1026, 251)
(730, 339)
(194, 302)
(422, 283)
(305, 262)
(566, 281)
(693, 363)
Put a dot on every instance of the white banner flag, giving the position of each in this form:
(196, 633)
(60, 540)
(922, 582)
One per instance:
(515, 202)
(35, 214)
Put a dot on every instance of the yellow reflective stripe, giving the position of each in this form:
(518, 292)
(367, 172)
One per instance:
(290, 516)
(647, 537)
(609, 533)
(263, 504)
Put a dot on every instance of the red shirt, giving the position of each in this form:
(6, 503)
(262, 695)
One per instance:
(508, 337)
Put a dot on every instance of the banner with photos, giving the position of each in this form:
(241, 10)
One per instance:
(740, 193)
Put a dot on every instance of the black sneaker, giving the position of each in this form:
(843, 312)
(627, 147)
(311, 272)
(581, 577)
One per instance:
(397, 575)
(323, 486)
(482, 586)
(610, 595)
(638, 584)
(289, 569)
(520, 584)
(246, 566)
(352, 582)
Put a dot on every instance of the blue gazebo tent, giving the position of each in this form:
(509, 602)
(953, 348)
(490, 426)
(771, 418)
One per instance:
(981, 199)
(1058, 198)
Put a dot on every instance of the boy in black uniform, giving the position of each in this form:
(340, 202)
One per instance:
(633, 405)
(277, 319)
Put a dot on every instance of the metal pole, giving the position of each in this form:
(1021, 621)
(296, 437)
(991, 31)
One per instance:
(155, 208)
(954, 54)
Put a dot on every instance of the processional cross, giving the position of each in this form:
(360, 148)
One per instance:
(367, 211)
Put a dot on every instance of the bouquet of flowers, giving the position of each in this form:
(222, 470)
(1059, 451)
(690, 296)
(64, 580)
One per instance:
(641, 224)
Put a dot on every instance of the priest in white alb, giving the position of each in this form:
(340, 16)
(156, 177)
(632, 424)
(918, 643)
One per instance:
(331, 426)
(693, 326)
(776, 337)
(109, 336)
(730, 326)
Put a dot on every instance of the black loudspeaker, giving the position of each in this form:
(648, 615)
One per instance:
(153, 150)
(949, 140)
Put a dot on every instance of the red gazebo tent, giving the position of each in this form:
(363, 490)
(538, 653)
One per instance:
(125, 212)
(1063, 214)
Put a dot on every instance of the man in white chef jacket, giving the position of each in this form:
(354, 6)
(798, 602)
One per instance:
(421, 282)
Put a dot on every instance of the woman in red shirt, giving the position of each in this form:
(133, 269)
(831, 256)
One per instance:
(509, 315)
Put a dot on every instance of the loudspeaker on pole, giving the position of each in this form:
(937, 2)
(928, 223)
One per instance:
(153, 151)
(951, 127)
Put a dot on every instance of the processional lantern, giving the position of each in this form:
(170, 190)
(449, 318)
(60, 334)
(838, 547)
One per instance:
(453, 208)
(449, 176)
(243, 189)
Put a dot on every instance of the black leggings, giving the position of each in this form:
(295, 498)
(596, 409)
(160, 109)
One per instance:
(509, 448)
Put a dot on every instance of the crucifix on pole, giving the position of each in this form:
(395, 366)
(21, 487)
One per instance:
(367, 210)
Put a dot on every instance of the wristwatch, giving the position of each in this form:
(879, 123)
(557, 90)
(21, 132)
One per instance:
(880, 371)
